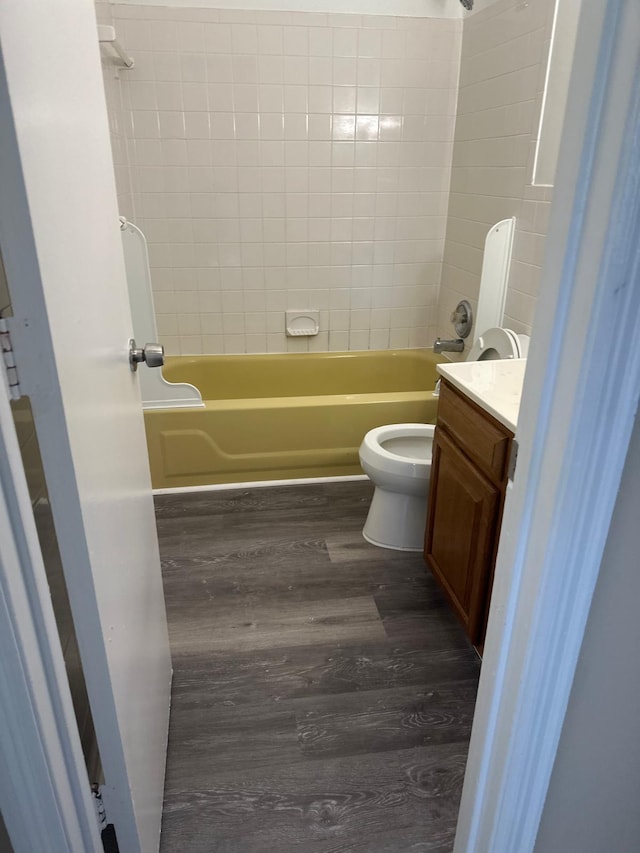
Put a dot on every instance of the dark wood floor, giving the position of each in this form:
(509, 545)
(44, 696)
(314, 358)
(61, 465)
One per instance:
(323, 692)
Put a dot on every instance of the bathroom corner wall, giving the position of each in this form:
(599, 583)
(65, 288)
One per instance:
(289, 160)
(502, 73)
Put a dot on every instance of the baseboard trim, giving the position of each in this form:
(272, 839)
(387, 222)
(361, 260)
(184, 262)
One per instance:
(259, 484)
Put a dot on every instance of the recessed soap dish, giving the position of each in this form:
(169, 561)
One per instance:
(302, 323)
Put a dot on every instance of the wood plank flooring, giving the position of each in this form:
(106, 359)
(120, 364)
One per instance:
(323, 691)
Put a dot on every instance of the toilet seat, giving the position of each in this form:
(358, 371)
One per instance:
(383, 448)
(495, 343)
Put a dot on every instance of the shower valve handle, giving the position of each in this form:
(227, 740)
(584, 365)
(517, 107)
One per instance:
(151, 354)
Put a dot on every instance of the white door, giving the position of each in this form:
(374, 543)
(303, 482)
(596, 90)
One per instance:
(62, 250)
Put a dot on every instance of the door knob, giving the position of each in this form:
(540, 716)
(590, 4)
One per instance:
(151, 354)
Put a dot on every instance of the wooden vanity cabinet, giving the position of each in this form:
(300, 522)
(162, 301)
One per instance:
(468, 480)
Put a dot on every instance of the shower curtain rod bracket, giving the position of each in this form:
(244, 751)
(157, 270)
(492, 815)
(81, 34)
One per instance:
(107, 35)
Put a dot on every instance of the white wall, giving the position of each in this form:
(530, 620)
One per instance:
(288, 160)
(480, 6)
(118, 117)
(560, 64)
(415, 8)
(502, 72)
(592, 803)
(396, 181)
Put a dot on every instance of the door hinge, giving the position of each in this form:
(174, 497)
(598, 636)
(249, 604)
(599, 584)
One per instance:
(98, 803)
(513, 460)
(9, 362)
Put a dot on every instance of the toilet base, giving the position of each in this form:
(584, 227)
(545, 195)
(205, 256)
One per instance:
(396, 521)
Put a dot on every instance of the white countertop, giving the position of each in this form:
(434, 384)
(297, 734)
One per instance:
(496, 386)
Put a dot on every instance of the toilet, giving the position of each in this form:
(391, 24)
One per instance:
(397, 458)
(499, 343)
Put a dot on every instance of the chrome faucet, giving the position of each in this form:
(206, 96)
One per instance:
(448, 346)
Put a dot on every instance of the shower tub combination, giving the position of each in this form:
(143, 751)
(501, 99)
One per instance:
(284, 416)
(239, 418)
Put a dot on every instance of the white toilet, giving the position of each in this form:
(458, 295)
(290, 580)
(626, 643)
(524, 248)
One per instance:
(397, 458)
(499, 343)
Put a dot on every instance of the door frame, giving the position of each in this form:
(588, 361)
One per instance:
(45, 794)
(71, 330)
(558, 509)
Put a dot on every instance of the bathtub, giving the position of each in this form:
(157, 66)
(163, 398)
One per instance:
(284, 416)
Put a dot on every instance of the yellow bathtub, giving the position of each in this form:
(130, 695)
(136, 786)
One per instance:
(282, 416)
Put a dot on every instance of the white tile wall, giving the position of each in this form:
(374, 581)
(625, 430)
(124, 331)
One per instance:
(287, 160)
(118, 116)
(503, 63)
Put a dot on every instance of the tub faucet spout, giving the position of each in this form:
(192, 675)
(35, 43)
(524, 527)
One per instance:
(448, 346)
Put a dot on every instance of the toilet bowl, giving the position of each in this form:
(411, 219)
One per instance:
(397, 458)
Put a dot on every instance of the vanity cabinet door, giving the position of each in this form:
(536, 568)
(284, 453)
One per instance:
(460, 535)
